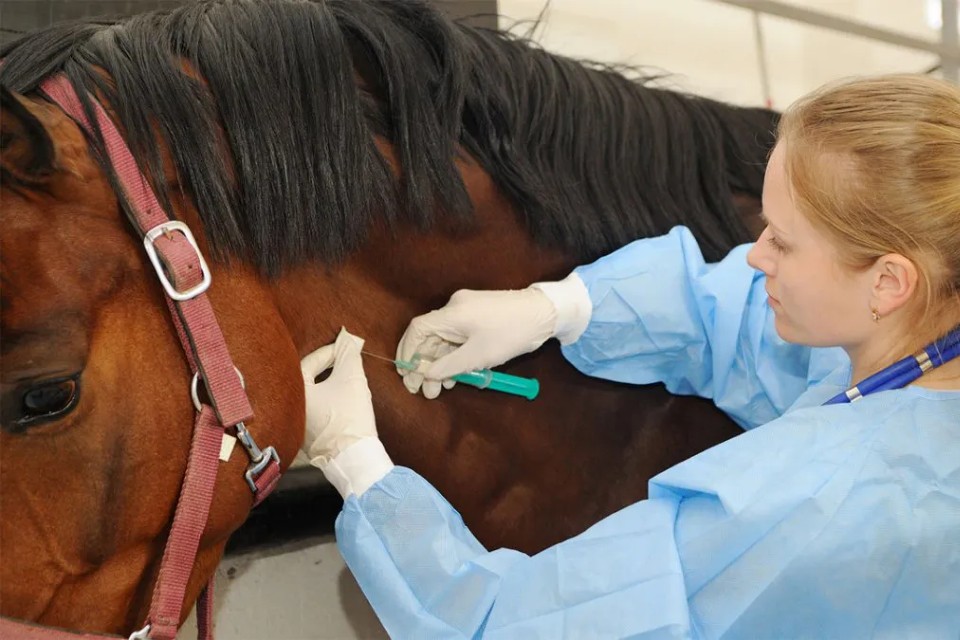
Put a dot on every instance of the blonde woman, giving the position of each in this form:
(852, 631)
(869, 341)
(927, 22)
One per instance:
(837, 513)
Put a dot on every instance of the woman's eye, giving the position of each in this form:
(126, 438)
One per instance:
(49, 400)
(776, 244)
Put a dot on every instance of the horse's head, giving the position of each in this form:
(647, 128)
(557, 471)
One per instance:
(96, 407)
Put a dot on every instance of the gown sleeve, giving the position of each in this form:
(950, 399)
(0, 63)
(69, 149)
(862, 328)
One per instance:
(426, 576)
(662, 314)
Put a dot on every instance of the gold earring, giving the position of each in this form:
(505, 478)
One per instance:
(875, 315)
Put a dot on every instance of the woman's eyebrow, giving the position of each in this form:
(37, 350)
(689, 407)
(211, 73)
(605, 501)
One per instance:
(766, 221)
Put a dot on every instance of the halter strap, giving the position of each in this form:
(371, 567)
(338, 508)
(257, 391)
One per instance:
(185, 278)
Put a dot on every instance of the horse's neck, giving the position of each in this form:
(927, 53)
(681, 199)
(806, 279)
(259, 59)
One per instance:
(397, 275)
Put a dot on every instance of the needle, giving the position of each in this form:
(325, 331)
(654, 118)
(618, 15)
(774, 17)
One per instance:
(409, 366)
(373, 355)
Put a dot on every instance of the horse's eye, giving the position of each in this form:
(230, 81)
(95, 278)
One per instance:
(49, 400)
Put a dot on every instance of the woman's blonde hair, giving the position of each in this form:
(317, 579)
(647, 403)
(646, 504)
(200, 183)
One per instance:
(875, 164)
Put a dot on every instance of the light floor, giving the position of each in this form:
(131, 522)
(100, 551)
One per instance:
(298, 591)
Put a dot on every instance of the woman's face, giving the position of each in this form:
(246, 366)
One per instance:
(816, 300)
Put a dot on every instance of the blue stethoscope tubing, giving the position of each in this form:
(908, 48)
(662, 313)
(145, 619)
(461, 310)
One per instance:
(903, 372)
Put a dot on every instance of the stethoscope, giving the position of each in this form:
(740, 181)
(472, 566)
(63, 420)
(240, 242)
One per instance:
(903, 372)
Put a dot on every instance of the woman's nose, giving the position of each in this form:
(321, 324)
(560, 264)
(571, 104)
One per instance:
(759, 255)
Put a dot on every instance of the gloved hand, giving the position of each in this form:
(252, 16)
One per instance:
(475, 330)
(339, 409)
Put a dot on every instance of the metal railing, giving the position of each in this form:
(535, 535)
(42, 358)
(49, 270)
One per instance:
(947, 48)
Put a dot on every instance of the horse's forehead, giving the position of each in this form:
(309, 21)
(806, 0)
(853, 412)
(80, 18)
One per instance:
(56, 258)
(63, 232)
(64, 247)
(40, 296)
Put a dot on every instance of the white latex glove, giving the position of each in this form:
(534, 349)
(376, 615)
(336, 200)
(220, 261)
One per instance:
(475, 330)
(339, 409)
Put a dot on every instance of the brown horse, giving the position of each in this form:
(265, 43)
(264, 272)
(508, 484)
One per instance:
(341, 163)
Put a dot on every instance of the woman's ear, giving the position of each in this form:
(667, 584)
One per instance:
(896, 278)
(26, 149)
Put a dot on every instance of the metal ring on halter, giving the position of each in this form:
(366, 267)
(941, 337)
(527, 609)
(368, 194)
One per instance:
(194, 384)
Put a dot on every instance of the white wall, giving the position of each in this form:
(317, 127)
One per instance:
(712, 48)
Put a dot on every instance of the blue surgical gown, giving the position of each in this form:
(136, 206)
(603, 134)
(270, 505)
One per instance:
(818, 522)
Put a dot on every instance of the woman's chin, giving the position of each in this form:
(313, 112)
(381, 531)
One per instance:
(784, 329)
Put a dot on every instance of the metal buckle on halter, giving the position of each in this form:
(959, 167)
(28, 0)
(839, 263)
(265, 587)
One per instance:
(259, 458)
(143, 634)
(165, 229)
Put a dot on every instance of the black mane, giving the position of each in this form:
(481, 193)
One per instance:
(593, 160)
